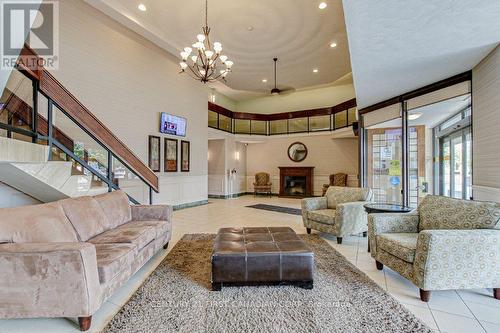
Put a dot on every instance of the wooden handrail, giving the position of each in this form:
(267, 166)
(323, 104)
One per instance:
(53, 89)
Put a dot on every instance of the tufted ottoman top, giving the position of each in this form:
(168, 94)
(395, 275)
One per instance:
(261, 254)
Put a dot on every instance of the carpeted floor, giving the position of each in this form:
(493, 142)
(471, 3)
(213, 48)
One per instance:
(177, 298)
(279, 209)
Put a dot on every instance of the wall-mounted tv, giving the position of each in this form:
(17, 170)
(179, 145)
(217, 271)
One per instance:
(170, 124)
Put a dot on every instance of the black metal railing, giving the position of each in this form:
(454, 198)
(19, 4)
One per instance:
(30, 128)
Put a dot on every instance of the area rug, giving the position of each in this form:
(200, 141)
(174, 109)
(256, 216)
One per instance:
(279, 209)
(177, 298)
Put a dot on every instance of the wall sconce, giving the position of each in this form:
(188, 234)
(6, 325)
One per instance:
(237, 155)
(208, 155)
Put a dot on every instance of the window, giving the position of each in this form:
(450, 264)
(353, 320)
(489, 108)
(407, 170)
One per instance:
(259, 127)
(340, 119)
(225, 123)
(297, 125)
(242, 126)
(212, 119)
(278, 126)
(319, 123)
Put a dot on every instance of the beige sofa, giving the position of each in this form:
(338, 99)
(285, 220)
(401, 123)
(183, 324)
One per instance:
(64, 259)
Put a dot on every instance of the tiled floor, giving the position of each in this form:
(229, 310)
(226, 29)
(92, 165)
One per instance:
(448, 311)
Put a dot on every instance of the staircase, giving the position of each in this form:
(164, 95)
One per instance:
(24, 166)
(52, 147)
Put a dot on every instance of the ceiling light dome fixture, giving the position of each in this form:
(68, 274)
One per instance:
(207, 64)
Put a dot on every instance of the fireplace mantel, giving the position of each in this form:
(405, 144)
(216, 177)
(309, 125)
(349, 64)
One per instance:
(306, 172)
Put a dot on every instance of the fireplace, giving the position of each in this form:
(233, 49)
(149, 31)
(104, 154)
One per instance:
(296, 182)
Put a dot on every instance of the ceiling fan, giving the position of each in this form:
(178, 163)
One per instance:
(276, 90)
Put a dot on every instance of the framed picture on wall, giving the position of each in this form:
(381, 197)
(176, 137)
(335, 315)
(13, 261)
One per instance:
(185, 148)
(170, 155)
(154, 153)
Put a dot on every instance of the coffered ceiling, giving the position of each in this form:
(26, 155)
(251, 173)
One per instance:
(252, 32)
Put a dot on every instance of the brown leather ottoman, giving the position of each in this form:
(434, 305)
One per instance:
(249, 256)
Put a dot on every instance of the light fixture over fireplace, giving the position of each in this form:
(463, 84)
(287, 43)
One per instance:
(204, 61)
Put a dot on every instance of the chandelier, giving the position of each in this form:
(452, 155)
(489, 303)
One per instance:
(204, 61)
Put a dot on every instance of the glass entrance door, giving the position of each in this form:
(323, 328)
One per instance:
(456, 164)
(384, 163)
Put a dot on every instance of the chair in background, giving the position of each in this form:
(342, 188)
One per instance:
(262, 183)
(337, 179)
(340, 212)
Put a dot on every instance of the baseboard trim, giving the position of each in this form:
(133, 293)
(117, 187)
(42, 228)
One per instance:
(190, 204)
(229, 196)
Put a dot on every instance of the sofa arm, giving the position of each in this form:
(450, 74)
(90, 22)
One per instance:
(457, 259)
(151, 212)
(48, 280)
(309, 204)
(390, 223)
(350, 218)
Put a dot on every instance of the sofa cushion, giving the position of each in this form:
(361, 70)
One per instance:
(438, 212)
(401, 245)
(139, 236)
(161, 228)
(112, 259)
(337, 195)
(116, 206)
(36, 224)
(326, 216)
(86, 216)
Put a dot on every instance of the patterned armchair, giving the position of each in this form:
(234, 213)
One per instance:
(337, 179)
(262, 183)
(340, 212)
(445, 244)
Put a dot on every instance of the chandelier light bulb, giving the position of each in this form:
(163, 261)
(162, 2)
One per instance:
(206, 57)
(217, 47)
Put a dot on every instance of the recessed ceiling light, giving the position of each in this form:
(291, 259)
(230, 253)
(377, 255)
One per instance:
(332, 45)
(250, 28)
(414, 116)
(142, 7)
(322, 5)
(264, 80)
(315, 70)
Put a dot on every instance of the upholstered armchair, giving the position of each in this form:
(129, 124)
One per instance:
(445, 244)
(340, 212)
(262, 183)
(337, 179)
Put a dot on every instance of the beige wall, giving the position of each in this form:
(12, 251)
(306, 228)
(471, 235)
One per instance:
(486, 136)
(222, 100)
(224, 155)
(327, 155)
(299, 100)
(126, 82)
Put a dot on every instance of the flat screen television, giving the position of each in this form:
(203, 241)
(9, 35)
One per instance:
(170, 124)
